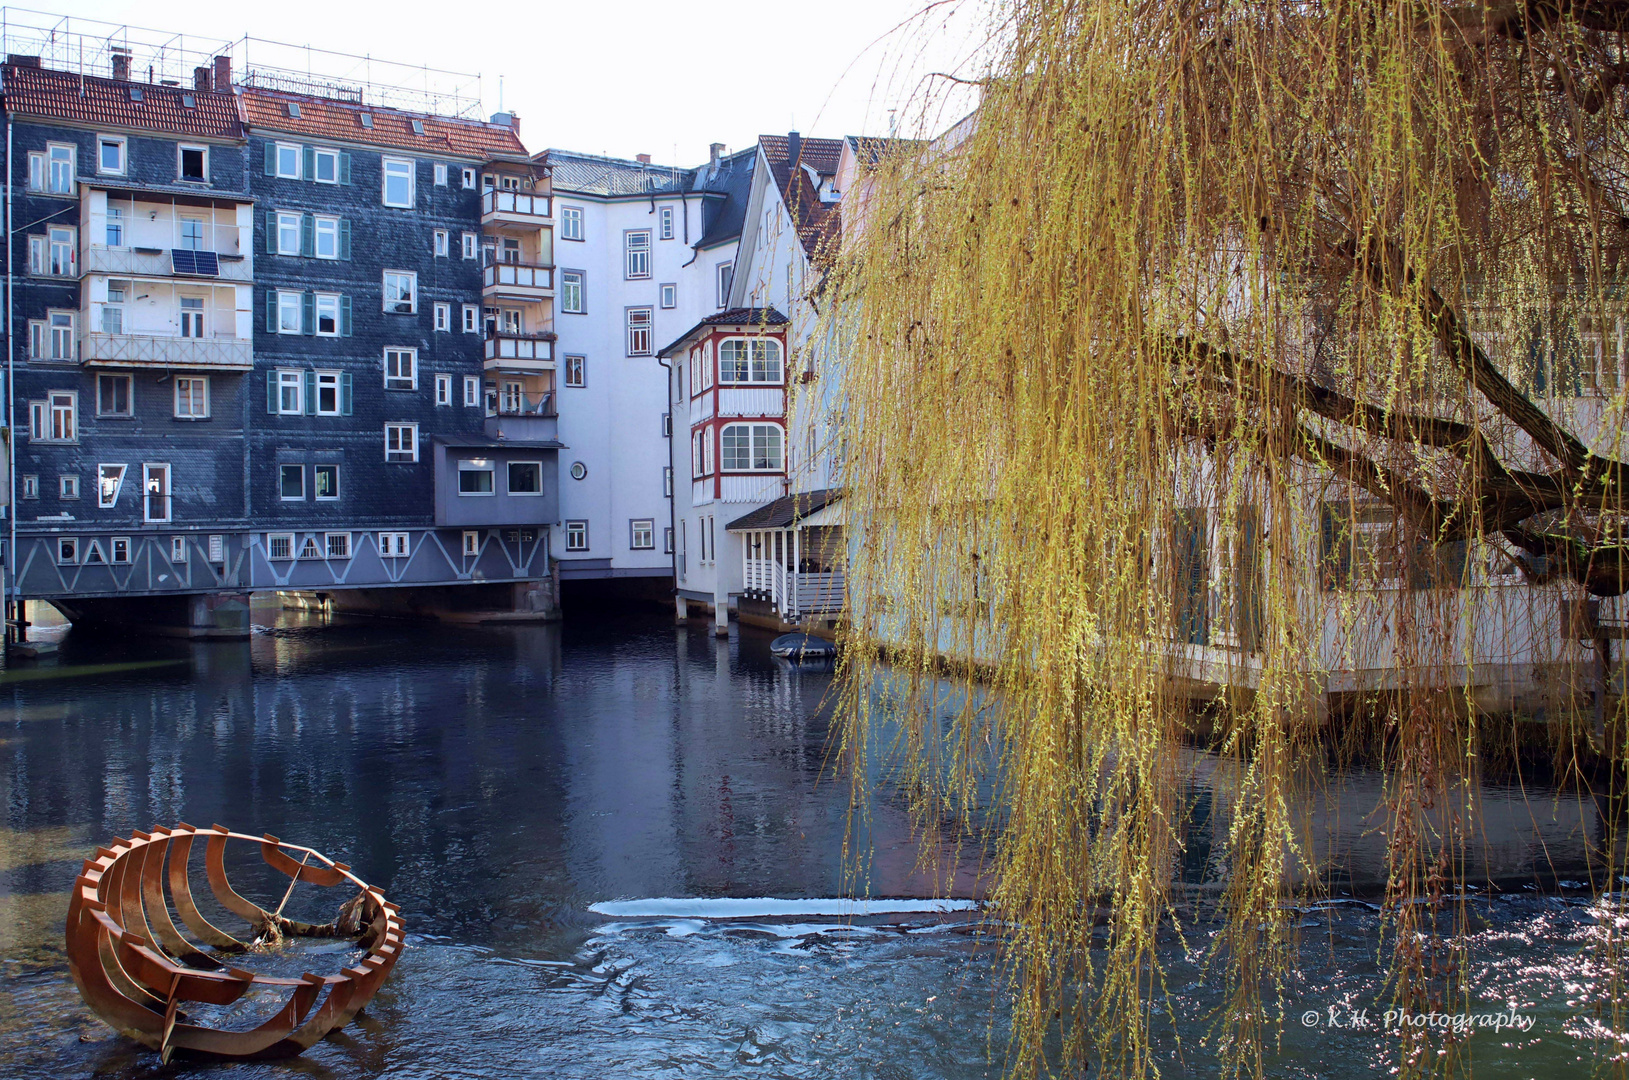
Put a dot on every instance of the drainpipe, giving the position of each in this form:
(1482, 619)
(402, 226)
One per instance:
(10, 569)
(673, 471)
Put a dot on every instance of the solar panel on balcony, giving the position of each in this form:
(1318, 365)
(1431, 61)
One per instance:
(195, 263)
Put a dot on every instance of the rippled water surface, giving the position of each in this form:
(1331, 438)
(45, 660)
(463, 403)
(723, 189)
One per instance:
(553, 807)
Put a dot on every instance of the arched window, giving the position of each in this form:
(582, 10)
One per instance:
(749, 360)
(752, 448)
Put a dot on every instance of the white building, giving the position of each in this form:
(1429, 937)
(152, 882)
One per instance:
(643, 253)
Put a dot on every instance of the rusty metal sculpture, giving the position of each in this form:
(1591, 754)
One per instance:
(138, 972)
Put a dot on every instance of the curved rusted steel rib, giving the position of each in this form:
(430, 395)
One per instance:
(138, 971)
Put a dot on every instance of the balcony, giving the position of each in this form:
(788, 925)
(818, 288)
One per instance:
(518, 207)
(519, 352)
(167, 351)
(159, 262)
(517, 281)
(523, 417)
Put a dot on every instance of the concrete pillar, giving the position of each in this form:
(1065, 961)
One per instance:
(721, 615)
(681, 609)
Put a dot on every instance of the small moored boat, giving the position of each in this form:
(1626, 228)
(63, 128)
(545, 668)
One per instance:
(802, 647)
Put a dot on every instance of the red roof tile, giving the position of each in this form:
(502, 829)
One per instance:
(321, 118)
(818, 223)
(93, 100)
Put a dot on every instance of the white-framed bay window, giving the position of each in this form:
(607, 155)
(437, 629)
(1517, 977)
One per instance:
(751, 448)
(750, 360)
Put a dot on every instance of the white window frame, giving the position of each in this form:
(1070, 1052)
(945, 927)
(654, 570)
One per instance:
(59, 417)
(393, 545)
(336, 545)
(472, 391)
(317, 232)
(393, 307)
(290, 379)
(443, 317)
(109, 483)
(753, 430)
(439, 245)
(472, 318)
(290, 302)
(407, 436)
(296, 154)
(669, 295)
(724, 277)
(283, 471)
(181, 157)
(318, 156)
(332, 302)
(443, 389)
(474, 466)
(283, 540)
(67, 550)
(665, 226)
(576, 375)
(571, 223)
(396, 355)
(196, 393)
(469, 180)
(471, 245)
(68, 486)
(119, 551)
(757, 371)
(639, 339)
(54, 180)
(645, 526)
(178, 550)
(397, 168)
(577, 535)
(150, 469)
(509, 477)
(472, 543)
(636, 254)
(316, 488)
(328, 380)
(123, 144)
(287, 221)
(439, 176)
(573, 292)
(31, 486)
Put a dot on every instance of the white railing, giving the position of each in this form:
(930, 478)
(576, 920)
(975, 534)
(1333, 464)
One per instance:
(168, 351)
(148, 262)
(819, 593)
(502, 201)
(517, 275)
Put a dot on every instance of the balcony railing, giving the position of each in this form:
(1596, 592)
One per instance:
(156, 350)
(151, 262)
(505, 276)
(502, 346)
(503, 202)
(504, 404)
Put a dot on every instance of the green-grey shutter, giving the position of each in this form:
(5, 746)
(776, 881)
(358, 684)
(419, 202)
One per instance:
(310, 163)
(345, 315)
(344, 168)
(271, 232)
(271, 392)
(345, 238)
(308, 313)
(310, 392)
(271, 159)
(345, 393)
(271, 311)
(308, 235)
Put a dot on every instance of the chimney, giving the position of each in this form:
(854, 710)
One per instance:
(714, 152)
(200, 78)
(794, 147)
(121, 65)
(643, 159)
(223, 73)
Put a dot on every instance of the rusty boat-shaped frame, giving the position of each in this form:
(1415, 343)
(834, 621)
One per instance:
(137, 970)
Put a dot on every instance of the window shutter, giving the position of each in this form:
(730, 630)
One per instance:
(308, 313)
(271, 311)
(271, 159)
(345, 168)
(345, 238)
(310, 156)
(345, 316)
(310, 392)
(308, 235)
(271, 232)
(345, 393)
(271, 392)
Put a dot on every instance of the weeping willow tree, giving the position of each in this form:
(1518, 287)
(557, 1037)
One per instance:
(1242, 376)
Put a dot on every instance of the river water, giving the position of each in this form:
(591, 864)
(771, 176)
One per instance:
(556, 809)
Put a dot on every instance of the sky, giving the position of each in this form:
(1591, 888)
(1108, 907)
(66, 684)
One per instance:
(665, 79)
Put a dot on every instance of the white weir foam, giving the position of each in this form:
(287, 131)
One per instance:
(766, 907)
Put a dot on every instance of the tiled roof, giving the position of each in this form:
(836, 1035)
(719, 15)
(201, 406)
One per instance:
(91, 99)
(818, 223)
(591, 174)
(321, 118)
(741, 316)
(786, 510)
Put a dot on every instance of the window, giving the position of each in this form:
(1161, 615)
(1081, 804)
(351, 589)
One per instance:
(31, 487)
(639, 331)
(291, 482)
(401, 369)
(53, 337)
(670, 296)
(469, 179)
(54, 170)
(326, 308)
(525, 478)
(290, 312)
(279, 546)
(1601, 358)
(290, 392)
(155, 484)
(667, 481)
(472, 318)
(398, 189)
(330, 389)
(667, 540)
(472, 245)
(667, 223)
(191, 398)
(110, 150)
(441, 243)
(751, 448)
(194, 162)
(636, 253)
(192, 234)
(327, 167)
(441, 174)
(338, 544)
(393, 545)
(327, 238)
(475, 477)
(576, 371)
(63, 252)
(287, 160)
(68, 486)
(725, 272)
(288, 233)
(402, 442)
(472, 390)
(576, 536)
(700, 455)
(67, 550)
(115, 227)
(443, 314)
(62, 417)
(309, 549)
(325, 482)
(755, 360)
(642, 534)
(472, 542)
(113, 308)
(192, 316)
(113, 395)
(401, 292)
(121, 549)
(178, 549)
(109, 482)
(667, 425)
(571, 292)
(571, 223)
